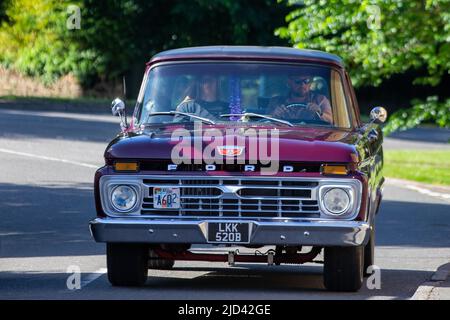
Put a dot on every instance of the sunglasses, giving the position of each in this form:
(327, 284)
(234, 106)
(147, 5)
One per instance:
(302, 81)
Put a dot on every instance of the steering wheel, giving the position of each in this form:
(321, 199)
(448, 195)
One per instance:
(304, 105)
(317, 118)
(296, 105)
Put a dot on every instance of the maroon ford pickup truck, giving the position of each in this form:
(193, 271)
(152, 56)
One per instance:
(244, 147)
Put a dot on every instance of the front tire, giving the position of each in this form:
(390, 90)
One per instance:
(127, 264)
(343, 268)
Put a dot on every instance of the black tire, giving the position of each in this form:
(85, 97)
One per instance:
(162, 264)
(127, 264)
(343, 268)
(369, 252)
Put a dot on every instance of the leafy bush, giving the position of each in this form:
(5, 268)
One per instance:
(431, 110)
(33, 40)
(380, 38)
(116, 35)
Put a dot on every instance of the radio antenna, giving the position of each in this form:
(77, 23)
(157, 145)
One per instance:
(124, 85)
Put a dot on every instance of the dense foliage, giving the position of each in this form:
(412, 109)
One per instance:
(116, 34)
(431, 110)
(33, 39)
(376, 38)
(380, 38)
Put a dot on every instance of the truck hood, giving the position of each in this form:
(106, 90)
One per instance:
(302, 144)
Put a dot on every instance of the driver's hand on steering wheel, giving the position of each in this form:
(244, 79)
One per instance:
(281, 111)
(314, 107)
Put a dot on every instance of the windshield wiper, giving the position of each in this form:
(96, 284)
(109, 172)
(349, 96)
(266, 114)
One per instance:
(257, 115)
(174, 113)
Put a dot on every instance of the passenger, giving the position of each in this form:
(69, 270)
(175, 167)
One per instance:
(317, 105)
(208, 104)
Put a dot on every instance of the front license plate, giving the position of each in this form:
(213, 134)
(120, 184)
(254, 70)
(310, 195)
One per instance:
(166, 198)
(228, 232)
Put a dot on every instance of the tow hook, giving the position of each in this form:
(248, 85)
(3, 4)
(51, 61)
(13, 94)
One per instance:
(270, 259)
(231, 255)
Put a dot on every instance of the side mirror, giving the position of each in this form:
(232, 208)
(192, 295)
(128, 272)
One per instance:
(118, 109)
(378, 115)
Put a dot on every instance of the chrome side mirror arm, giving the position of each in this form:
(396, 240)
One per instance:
(118, 109)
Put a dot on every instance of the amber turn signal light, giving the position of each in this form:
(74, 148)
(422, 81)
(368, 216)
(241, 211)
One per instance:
(334, 169)
(126, 166)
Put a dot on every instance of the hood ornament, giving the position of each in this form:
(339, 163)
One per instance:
(230, 151)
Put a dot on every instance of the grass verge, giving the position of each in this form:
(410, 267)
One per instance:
(427, 166)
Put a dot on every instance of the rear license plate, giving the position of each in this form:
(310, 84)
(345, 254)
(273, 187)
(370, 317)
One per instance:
(166, 198)
(228, 232)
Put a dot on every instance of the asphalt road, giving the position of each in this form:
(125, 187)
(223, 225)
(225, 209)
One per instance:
(420, 138)
(47, 164)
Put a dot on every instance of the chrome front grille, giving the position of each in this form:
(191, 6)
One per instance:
(252, 197)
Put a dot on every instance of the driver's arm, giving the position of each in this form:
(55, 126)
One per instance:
(193, 107)
(322, 106)
(187, 106)
(277, 108)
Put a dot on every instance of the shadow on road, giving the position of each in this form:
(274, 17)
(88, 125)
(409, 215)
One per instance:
(413, 224)
(249, 282)
(44, 221)
(290, 280)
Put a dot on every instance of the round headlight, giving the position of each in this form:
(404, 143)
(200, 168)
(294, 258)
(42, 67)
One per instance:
(336, 201)
(123, 198)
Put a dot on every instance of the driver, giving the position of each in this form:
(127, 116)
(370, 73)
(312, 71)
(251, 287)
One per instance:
(315, 106)
(208, 104)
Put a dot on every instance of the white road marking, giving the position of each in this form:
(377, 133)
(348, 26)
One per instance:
(93, 276)
(429, 192)
(30, 155)
(417, 188)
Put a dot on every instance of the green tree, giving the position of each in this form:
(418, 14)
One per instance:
(33, 39)
(380, 38)
(3, 6)
(115, 35)
(122, 33)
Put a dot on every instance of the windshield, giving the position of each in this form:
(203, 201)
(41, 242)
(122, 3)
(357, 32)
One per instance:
(245, 92)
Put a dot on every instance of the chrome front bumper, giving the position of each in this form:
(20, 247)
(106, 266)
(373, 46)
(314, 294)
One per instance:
(194, 231)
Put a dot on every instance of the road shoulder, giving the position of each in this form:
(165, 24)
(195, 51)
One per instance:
(437, 288)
